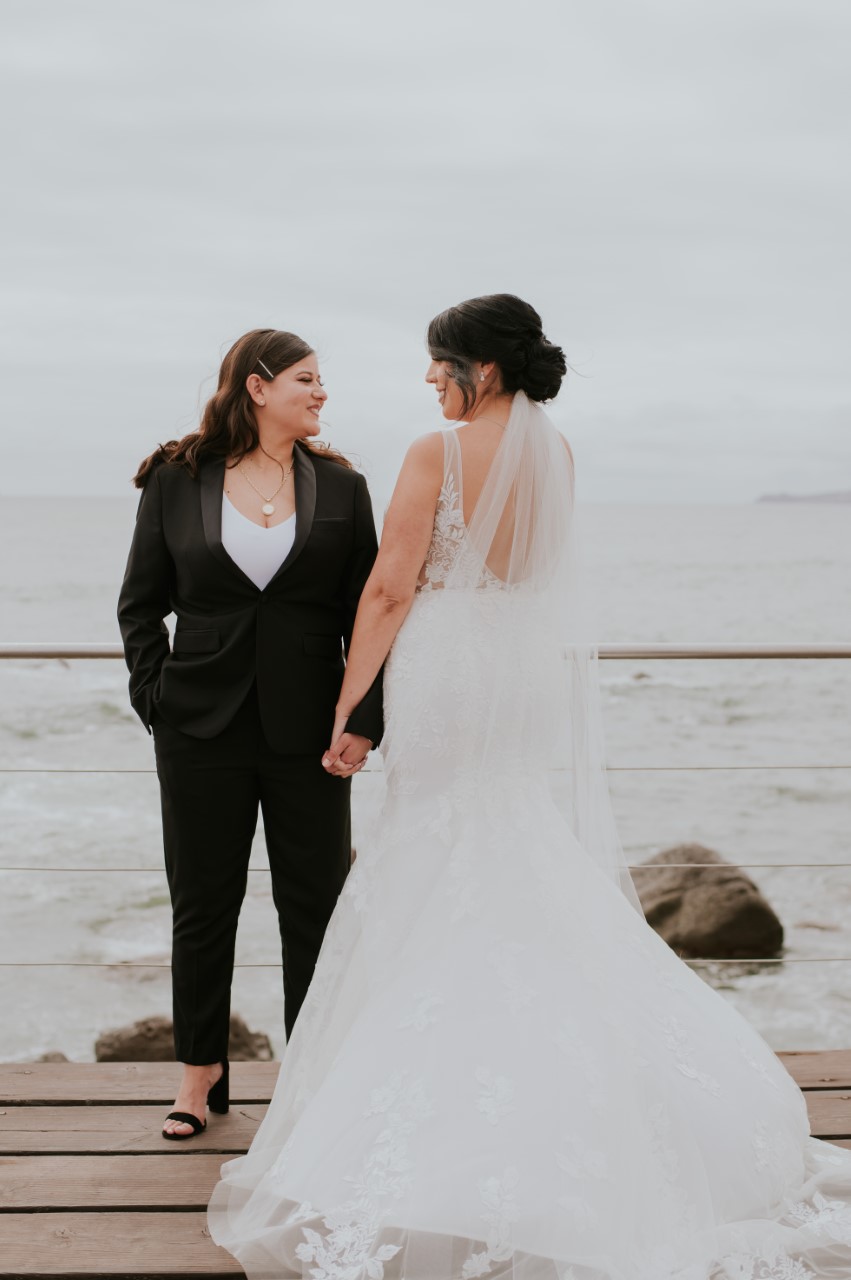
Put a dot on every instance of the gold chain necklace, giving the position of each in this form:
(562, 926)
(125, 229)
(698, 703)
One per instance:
(268, 507)
(481, 418)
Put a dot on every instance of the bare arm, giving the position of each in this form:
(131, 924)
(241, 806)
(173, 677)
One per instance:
(390, 588)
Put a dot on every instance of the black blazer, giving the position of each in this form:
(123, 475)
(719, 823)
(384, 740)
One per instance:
(289, 637)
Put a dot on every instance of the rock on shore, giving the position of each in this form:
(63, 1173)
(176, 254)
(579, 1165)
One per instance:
(150, 1040)
(703, 912)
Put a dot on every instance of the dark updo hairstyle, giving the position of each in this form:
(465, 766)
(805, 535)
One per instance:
(506, 330)
(228, 427)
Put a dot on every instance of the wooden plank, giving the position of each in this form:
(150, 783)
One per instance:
(137, 1082)
(107, 1182)
(131, 1083)
(821, 1069)
(830, 1113)
(119, 1131)
(128, 1083)
(165, 1245)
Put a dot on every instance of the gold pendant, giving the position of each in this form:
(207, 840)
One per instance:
(268, 509)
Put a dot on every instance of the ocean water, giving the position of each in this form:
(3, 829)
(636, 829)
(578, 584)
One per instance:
(691, 748)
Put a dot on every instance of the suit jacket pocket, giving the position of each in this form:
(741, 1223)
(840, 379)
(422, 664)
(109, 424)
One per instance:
(324, 646)
(188, 641)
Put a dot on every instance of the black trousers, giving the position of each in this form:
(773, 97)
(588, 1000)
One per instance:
(211, 790)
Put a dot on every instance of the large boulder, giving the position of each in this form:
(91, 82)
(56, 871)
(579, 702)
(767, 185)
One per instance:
(151, 1040)
(700, 911)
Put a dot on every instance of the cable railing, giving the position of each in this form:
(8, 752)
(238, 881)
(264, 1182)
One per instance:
(607, 652)
(842, 649)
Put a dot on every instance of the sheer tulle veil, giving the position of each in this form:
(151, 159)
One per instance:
(522, 536)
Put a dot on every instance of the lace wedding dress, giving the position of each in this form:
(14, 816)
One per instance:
(500, 1070)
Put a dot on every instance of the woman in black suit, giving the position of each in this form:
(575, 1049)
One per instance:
(260, 543)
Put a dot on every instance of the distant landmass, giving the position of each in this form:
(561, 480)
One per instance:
(843, 496)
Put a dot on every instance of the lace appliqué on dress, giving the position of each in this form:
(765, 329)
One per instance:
(347, 1245)
(500, 1211)
(496, 1095)
(423, 1015)
(448, 536)
(677, 1039)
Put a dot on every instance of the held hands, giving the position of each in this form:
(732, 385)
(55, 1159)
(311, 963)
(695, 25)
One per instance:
(347, 753)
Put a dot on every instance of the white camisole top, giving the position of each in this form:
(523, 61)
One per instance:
(258, 551)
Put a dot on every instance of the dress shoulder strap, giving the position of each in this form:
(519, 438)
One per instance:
(452, 464)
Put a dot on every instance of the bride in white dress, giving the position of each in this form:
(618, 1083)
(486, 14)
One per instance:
(500, 1070)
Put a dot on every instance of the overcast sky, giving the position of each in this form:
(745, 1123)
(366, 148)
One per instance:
(667, 181)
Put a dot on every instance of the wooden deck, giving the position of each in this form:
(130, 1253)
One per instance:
(88, 1187)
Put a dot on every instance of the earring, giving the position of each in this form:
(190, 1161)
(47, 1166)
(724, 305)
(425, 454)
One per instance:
(481, 377)
(261, 402)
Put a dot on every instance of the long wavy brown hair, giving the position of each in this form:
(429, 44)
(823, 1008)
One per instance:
(228, 427)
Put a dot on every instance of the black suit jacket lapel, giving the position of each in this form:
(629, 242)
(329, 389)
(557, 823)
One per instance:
(304, 479)
(212, 482)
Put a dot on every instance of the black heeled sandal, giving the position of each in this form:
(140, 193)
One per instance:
(218, 1100)
(184, 1117)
